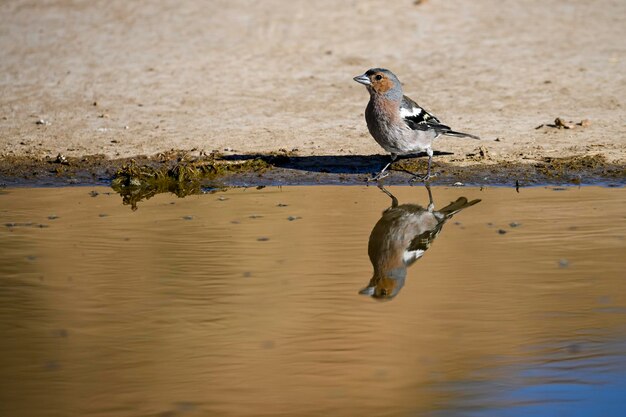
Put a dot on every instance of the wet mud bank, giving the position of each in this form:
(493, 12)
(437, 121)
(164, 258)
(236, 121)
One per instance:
(177, 172)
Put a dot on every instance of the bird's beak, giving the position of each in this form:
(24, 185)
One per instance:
(368, 291)
(362, 79)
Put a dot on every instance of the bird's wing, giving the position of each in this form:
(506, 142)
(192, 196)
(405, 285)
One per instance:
(417, 247)
(417, 118)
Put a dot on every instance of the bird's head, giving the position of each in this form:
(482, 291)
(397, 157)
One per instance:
(385, 287)
(381, 81)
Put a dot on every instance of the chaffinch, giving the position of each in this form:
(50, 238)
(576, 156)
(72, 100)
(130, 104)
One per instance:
(401, 237)
(398, 123)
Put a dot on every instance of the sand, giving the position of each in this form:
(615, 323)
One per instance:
(124, 78)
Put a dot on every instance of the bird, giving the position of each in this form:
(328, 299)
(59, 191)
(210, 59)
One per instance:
(399, 124)
(400, 237)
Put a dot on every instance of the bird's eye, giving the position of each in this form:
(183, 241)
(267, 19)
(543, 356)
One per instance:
(378, 77)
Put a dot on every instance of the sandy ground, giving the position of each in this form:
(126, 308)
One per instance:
(124, 78)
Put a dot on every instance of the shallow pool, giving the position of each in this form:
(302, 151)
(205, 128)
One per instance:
(308, 301)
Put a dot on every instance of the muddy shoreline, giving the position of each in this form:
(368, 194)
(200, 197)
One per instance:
(288, 168)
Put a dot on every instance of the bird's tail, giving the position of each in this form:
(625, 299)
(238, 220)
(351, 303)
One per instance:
(456, 206)
(459, 134)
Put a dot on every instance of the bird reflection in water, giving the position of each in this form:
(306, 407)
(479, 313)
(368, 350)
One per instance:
(401, 237)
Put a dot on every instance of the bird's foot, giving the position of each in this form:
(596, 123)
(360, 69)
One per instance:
(422, 178)
(378, 177)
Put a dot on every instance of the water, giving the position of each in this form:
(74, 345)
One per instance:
(246, 303)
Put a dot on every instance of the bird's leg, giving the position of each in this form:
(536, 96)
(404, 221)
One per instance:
(382, 174)
(431, 204)
(394, 200)
(427, 177)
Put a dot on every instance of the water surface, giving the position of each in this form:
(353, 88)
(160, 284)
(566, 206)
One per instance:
(246, 303)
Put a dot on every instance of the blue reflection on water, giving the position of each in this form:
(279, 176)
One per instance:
(581, 380)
